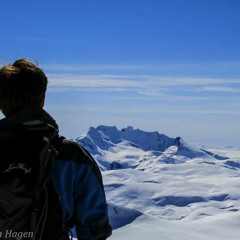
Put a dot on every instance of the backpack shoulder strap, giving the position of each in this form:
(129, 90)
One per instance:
(57, 141)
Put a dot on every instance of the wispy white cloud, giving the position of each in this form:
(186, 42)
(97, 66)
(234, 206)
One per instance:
(219, 89)
(132, 79)
(171, 67)
(153, 80)
(67, 83)
(148, 85)
(91, 81)
(143, 109)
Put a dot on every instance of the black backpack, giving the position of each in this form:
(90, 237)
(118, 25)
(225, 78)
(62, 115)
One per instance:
(29, 204)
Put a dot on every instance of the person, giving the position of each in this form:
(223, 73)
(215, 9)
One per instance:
(75, 173)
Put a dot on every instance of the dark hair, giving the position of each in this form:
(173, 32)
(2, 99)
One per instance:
(21, 84)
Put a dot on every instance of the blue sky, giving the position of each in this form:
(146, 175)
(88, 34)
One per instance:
(171, 66)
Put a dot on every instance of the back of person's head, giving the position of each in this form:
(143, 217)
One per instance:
(22, 83)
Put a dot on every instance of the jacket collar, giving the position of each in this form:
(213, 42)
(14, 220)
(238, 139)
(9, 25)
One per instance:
(31, 119)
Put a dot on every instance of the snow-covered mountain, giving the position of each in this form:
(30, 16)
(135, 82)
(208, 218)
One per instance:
(105, 137)
(134, 148)
(158, 187)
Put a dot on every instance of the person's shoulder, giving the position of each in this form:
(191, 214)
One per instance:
(71, 144)
(72, 150)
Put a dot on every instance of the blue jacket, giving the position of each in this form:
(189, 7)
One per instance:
(79, 183)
